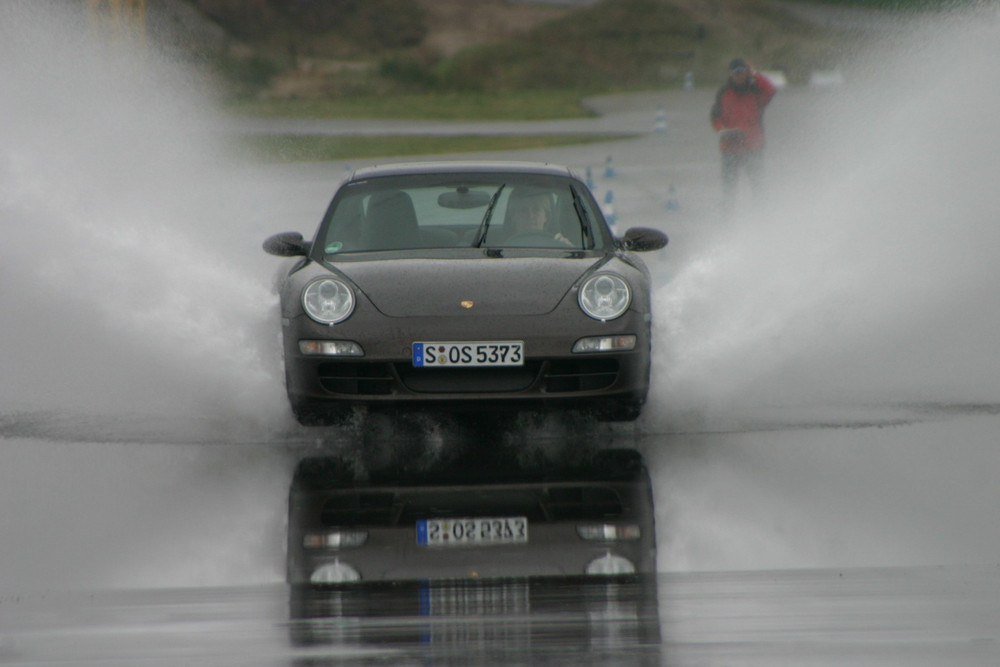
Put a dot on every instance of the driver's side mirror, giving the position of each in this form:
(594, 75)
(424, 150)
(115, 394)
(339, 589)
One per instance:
(643, 239)
(286, 244)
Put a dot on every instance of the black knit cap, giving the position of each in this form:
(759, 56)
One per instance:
(737, 63)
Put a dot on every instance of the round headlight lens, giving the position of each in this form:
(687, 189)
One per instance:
(328, 301)
(605, 296)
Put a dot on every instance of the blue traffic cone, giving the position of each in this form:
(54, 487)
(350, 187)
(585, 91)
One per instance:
(661, 121)
(672, 203)
(609, 207)
(609, 170)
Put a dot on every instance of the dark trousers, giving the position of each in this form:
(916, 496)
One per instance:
(750, 162)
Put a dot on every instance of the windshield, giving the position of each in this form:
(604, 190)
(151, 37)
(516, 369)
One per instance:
(460, 211)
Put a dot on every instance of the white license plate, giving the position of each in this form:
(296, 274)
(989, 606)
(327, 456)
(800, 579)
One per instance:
(463, 532)
(480, 353)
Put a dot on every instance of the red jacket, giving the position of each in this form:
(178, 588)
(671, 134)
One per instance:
(742, 110)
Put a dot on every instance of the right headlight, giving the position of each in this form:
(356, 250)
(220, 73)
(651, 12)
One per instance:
(604, 296)
(328, 300)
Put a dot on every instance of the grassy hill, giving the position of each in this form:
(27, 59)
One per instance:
(324, 50)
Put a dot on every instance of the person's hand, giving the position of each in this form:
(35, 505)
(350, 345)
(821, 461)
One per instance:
(731, 138)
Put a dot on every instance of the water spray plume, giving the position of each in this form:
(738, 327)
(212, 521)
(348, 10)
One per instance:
(871, 273)
(126, 280)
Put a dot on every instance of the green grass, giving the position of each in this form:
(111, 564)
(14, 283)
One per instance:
(320, 148)
(522, 105)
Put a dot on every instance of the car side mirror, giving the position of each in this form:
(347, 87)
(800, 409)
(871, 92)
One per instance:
(643, 239)
(286, 244)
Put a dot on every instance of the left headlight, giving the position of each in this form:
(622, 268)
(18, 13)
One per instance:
(605, 296)
(328, 300)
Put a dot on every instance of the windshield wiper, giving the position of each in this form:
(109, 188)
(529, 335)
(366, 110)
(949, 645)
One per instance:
(584, 220)
(484, 226)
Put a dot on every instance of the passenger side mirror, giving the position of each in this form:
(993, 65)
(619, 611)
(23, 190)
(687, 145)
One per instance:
(286, 244)
(643, 239)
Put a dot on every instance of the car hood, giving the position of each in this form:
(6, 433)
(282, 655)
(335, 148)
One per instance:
(494, 286)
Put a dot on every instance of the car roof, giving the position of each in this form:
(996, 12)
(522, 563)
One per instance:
(459, 167)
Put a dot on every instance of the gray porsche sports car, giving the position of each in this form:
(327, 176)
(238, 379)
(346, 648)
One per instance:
(490, 286)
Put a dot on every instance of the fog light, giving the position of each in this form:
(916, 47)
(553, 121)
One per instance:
(334, 573)
(609, 532)
(331, 348)
(341, 539)
(604, 344)
(610, 564)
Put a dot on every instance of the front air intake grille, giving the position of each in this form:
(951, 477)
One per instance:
(468, 380)
(356, 378)
(404, 506)
(472, 502)
(378, 379)
(580, 375)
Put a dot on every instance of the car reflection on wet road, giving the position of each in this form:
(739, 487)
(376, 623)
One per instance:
(485, 515)
(188, 565)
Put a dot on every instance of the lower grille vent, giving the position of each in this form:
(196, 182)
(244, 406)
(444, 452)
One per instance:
(580, 375)
(356, 378)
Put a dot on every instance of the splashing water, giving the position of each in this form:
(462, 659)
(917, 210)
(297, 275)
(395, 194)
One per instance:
(871, 276)
(126, 280)
(866, 282)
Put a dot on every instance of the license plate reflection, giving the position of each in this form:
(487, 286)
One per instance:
(478, 531)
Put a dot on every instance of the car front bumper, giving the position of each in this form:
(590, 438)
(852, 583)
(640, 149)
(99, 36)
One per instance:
(552, 376)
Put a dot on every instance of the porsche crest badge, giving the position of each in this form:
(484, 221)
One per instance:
(467, 304)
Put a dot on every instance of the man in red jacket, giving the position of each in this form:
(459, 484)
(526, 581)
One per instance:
(737, 116)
